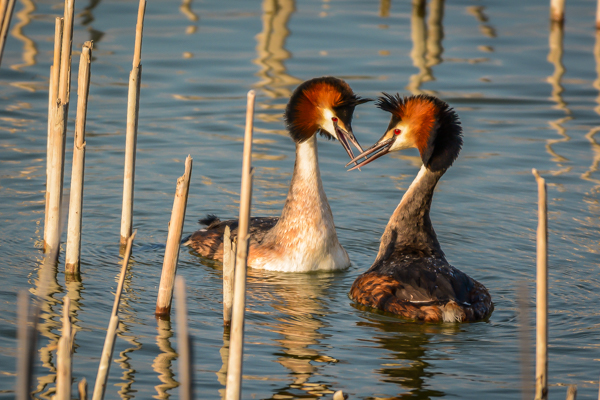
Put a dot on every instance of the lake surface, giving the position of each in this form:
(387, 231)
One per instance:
(527, 99)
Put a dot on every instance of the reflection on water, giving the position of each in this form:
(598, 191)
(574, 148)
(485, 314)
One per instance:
(484, 27)
(46, 289)
(87, 17)
(29, 47)
(591, 135)
(127, 320)
(163, 363)
(427, 42)
(186, 9)
(275, 81)
(300, 309)
(407, 345)
(555, 58)
(384, 8)
(304, 324)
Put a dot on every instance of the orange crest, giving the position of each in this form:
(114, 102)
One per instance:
(304, 112)
(420, 113)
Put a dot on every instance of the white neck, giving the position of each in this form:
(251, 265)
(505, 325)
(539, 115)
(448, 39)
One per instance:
(305, 233)
(306, 195)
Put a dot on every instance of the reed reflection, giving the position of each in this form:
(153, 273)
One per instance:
(163, 363)
(427, 42)
(46, 289)
(484, 27)
(271, 52)
(591, 135)
(30, 50)
(555, 58)
(126, 320)
(384, 8)
(87, 17)
(299, 303)
(186, 9)
(74, 288)
(222, 373)
(407, 344)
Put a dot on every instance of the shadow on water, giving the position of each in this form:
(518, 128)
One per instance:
(407, 344)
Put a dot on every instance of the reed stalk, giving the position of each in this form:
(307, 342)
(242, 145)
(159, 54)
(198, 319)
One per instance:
(64, 362)
(126, 258)
(133, 107)
(72, 255)
(167, 278)
(236, 347)
(64, 88)
(59, 135)
(340, 395)
(228, 274)
(572, 392)
(557, 10)
(82, 389)
(541, 365)
(184, 344)
(6, 11)
(52, 239)
(107, 351)
(52, 98)
(598, 15)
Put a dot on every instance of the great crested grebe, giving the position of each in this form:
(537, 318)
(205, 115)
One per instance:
(304, 237)
(410, 276)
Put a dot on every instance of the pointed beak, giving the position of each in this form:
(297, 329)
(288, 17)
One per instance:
(347, 137)
(379, 149)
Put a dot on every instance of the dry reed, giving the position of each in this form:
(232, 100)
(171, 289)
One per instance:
(6, 11)
(133, 107)
(228, 274)
(236, 347)
(167, 278)
(72, 255)
(541, 365)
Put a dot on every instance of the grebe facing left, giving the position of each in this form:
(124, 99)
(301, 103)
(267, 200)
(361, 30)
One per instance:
(304, 237)
(410, 276)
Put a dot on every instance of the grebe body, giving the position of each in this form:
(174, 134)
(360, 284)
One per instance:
(303, 239)
(411, 276)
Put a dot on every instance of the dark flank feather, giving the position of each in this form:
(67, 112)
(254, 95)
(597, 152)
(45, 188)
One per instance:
(208, 242)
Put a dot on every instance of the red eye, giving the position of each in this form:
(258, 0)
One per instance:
(334, 119)
(396, 131)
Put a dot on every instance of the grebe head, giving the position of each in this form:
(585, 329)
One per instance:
(326, 105)
(421, 121)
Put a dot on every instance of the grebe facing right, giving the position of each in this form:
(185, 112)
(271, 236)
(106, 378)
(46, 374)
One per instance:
(304, 238)
(410, 276)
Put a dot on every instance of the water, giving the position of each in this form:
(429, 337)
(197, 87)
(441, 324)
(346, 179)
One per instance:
(524, 102)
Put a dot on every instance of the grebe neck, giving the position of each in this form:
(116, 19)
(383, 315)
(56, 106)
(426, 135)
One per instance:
(409, 230)
(306, 196)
